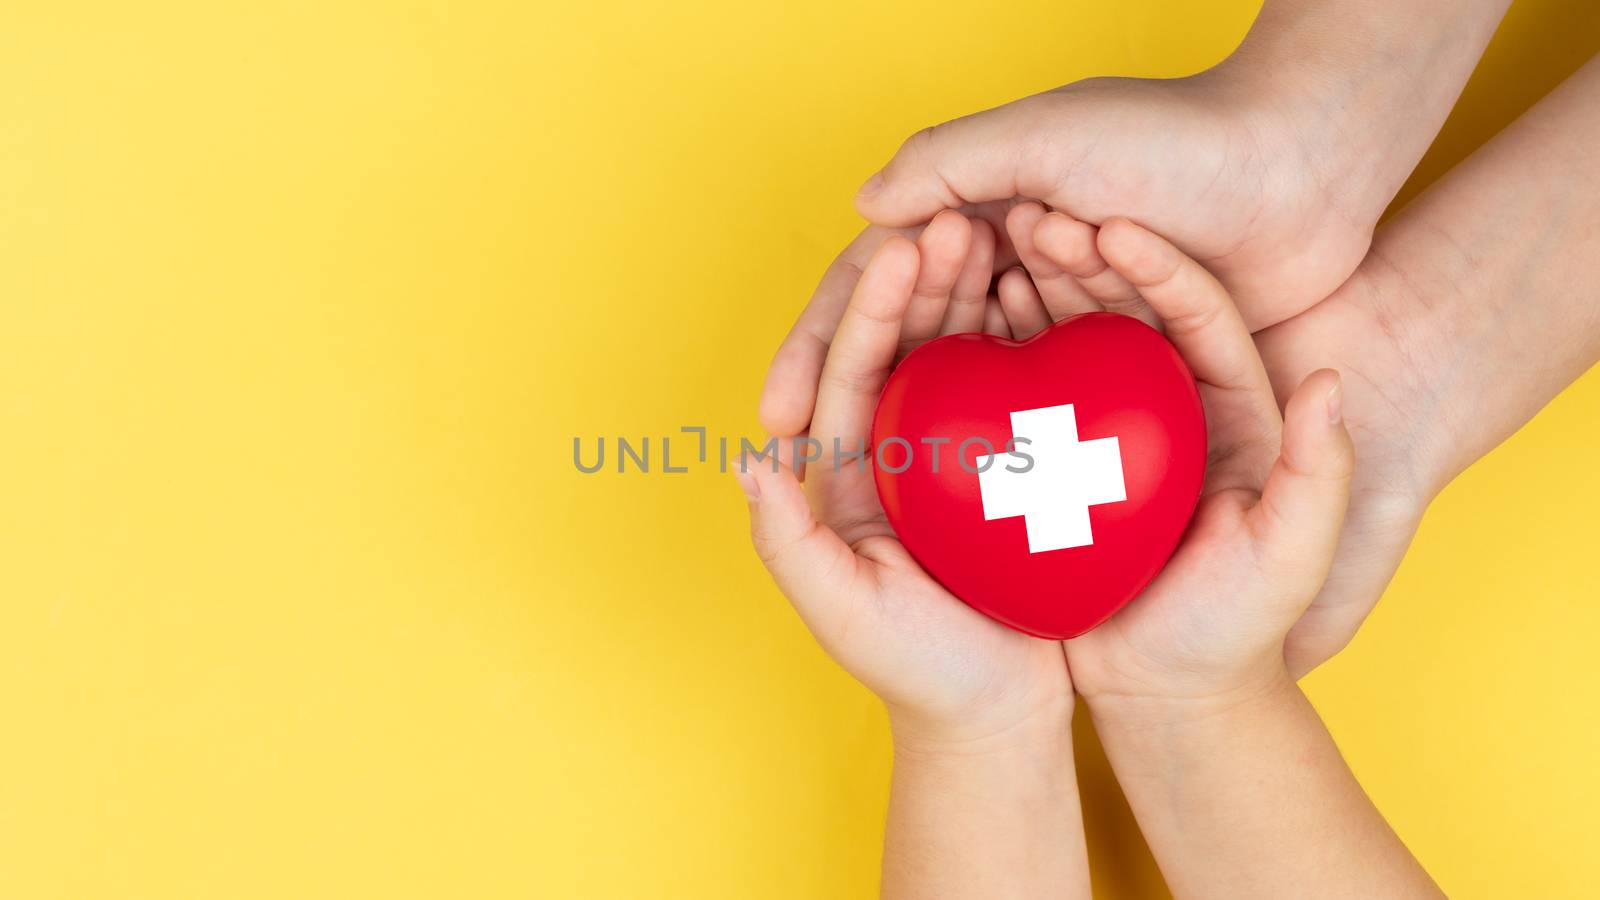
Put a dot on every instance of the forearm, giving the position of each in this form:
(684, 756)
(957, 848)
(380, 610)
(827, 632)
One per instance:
(1477, 304)
(995, 818)
(1500, 263)
(1249, 797)
(1362, 85)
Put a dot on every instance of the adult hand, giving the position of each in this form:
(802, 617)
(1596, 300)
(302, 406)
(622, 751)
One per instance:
(1232, 180)
(1346, 95)
(1228, 180)
(1271, 168)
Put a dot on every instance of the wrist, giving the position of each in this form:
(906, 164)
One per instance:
(1028, 765)
(1041, 729)
(1177, 706)
(1358, 88)
(985, 811)
(1402, 425)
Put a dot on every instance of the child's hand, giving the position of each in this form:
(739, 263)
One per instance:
(1238, 788)
(945, 671)
(984, 800)
(1213, 622)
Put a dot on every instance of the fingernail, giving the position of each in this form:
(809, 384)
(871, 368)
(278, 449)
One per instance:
(747, 480)
(1336, 403)
(873, 185)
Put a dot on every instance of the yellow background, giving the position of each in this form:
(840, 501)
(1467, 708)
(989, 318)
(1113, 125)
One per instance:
(300, 595)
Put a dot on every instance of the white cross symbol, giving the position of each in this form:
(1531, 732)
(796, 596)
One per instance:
(1067, 477)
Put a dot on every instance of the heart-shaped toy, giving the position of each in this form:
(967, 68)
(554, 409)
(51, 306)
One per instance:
(1108, 453)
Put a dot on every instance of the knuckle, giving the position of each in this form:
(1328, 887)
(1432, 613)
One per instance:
(878, 315)
(922, 140)
(767, 550)
(853, 380)
(1194, 317)
(846, 268)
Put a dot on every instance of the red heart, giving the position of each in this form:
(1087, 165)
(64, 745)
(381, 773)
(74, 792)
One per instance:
(1122, 380)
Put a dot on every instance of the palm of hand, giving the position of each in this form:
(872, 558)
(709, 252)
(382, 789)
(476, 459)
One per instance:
(1224, 602)
(1390, 490)
(902, 633)
(1199, 617)
(1192, 618)
(869, 604)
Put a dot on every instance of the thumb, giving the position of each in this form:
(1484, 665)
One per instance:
(811, 564)
(1302, 505)
(969, 160)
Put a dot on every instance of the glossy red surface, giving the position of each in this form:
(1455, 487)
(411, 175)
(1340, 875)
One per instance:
(1124, 380)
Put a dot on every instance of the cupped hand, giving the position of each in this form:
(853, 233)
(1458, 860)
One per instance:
(1064, 273)
(1208, 161)
(1213, 623)
(945, 671)
(1361, 330)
